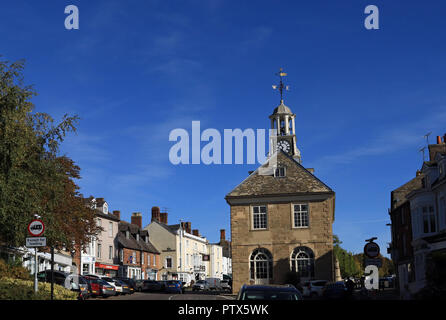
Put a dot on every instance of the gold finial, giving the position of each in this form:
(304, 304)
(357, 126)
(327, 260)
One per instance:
(281, 86)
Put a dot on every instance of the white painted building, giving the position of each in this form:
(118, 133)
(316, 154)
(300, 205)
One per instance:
(428, 213)
(185, 254)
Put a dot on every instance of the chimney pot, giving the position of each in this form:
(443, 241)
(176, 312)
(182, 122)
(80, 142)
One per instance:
(195, 232)
(137, 219)
(222, 234)
(117, 214)
(163, 217)
(188, 227)
(438, 139)
(156, 214)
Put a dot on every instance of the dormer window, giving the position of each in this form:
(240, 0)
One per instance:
(280, 172)
(105, 208)
(147, 239)
(137, 237)
(127, 234)
(93, 204)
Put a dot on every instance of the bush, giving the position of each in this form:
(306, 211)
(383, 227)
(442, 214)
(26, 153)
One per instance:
(13, 270)
(17, 289)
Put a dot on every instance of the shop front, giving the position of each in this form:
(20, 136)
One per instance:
(152, 274)
(131, 272)
(108, 270)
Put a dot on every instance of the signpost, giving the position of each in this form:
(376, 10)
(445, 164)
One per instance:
(36, 228)
(372, 263)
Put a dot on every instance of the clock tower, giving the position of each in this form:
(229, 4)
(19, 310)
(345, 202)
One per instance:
(283, 121)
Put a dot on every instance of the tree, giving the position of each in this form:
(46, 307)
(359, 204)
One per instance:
(347, 263)
(34, 179)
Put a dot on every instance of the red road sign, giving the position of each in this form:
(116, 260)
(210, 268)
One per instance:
(371, 250)
(36, 228)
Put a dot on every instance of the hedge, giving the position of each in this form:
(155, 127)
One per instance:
(17, 289)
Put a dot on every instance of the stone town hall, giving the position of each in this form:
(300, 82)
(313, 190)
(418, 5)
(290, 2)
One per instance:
(281, 220)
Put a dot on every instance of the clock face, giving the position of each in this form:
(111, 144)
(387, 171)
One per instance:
(284, 146)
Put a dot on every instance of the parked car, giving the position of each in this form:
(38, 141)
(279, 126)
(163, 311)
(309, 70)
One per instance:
(313, 288)
(99, 287)
(173, 286)
(115, 284)
(138, 285)
(200, 285)
(66, 280)
(335, 291)
(152, 286)
(225, 286)
(214, 283)
(130, 282)
(269, 292)
(125, 287)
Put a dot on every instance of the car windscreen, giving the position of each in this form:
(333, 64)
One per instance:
(269, 295)
(103, 282)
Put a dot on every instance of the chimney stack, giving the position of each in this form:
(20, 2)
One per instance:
(222, 235)
(117, 214)
(163, 217)
(438, 139)
(137, 219)
(156, 214)
(195, 232)
(188, 227)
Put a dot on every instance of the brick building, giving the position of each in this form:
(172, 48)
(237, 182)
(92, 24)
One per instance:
(137, 256)
(281, 215)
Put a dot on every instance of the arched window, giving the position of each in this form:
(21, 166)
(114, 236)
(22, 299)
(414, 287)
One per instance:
(261, 266)
(302, 261)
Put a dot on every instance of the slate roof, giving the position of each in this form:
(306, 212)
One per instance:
(398, 196)
(131, 243)
(298, 180)
(109, 216)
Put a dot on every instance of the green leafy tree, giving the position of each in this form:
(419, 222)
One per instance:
(347, 263)
(33, 178)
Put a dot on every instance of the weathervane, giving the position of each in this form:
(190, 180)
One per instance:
(281, 86)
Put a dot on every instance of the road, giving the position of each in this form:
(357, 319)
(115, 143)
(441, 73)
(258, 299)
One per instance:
(171, 296)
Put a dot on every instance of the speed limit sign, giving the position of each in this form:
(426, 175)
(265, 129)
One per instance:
(36, 228)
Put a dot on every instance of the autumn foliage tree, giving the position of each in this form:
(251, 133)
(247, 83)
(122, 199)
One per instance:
(34, 178)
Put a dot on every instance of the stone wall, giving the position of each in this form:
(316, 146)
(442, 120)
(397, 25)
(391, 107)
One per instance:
(280, 238)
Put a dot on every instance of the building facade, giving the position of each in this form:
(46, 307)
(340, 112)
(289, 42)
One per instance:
(425, 216)
(281, 216)
(138, 258)
(185, 254)
(401, 222)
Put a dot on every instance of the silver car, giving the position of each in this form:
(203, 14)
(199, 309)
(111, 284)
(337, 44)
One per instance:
(200, 285)
(225, 285)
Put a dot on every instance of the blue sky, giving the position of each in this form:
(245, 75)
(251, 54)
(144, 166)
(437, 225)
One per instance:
(135, 70)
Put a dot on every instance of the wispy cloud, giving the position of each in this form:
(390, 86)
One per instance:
(389, 141)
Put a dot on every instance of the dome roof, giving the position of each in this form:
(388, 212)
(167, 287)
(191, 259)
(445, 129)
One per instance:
(282, 109)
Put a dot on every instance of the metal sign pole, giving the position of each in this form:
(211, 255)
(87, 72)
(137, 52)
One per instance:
(35, 270)
(52, 273)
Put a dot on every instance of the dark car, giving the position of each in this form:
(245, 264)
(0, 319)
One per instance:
(335, 291)
(69, 281)
(152, 286)
(130, 282)
(269, 292)
(174, 286)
